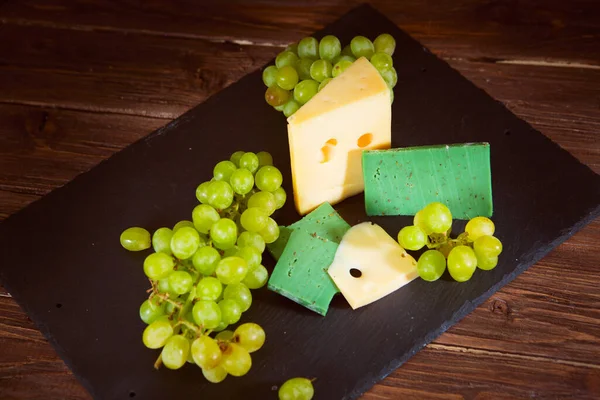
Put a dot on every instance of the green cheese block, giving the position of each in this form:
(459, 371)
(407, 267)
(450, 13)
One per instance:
(301, 272)
(403, 181)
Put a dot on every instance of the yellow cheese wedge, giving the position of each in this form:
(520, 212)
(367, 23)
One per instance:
(369, 265)
(328, 134)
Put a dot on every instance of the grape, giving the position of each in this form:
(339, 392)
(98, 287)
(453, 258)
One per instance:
(207, 314)
(151, 310)
(256, 277)
(231, 270)
(484, 263)
(157, 333)
(419, 221)
(220, 194)
(276, 96)
(287, 77)
(158, 266)
(303, 68)
(390, 76)
(135, 239)
(345, 58)
(435, 218)
(286, 58)
(340, 67)
(163, 287)
(251, 255)
(254, 219)
(231, 311)
(391, 96)
(209, 288)
(251, 239)
(239, 293)
(280, 107)
(175, 353)
(180, 282)
(161, 240)
(215, 375)
(431, 265)
(323, 84)
(242, 181)
(185, 242)
(362, 47)
(263, 200)
(236, 360)
(296, 389)
(264, 158)
(382, 61)
(462, 263)
(268, 178)
(293, 48)
(230, 252)
(249, 161)
(305, 90)
(347, 51)
(222, 325)
(205, 260)
(320, 70)
(170, 307)
(329, 47)
(385, 43)
(224, 233)
(223, 170)
(308, 48)
(280, 197)
(479, 226)
(269, 76)
(206, 352)
(412, 238)
(487, 246)
(235, 157)
(270, 232)
(182, 224)
(202, 192)
(290, 108)
(250, 336)
(224, 336)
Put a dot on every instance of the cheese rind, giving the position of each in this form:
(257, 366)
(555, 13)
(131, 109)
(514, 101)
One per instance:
(383, 264)
(328, 134)
(403, 181)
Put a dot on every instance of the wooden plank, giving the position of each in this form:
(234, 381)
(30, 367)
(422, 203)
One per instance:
(550, 29)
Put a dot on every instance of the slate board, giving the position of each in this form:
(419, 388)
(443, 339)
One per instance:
(62, 262)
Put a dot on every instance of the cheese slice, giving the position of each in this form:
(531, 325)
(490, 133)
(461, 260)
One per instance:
(328, 134)
(369, 265)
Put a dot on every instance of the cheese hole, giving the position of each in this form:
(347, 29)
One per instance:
(355, 272)
(365, 140)
(327, 150)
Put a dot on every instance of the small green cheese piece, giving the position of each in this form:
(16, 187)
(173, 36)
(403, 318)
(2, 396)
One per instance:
(301, 272)
(403, 181)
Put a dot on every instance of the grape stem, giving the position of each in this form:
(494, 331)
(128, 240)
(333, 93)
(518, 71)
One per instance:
(165, 297)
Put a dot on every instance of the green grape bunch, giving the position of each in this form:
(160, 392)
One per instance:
(303, 69)
(202, 271)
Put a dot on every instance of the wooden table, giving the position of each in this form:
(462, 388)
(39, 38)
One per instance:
(80, 80)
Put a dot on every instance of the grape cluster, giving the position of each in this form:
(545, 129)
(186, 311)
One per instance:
(304, 68)
(202, 271)
(474, 248)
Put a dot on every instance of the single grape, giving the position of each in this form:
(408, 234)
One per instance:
(329, 47)
(487, 246)
(220, 194)
(206, 352)
(340, 67)
(231, 270)
(462, 263)
(230, 252)
(391, 96)
(209, 288)
(264, 158)
(268, 178)
(320, 70)
(205, 260)
(161, 240)
(236, 360)
(305, 90)
(182, 224)
(249, 161)
(296, 389)
(483, 262)
(382, 61)
(385, 43)
(344, 58)
(163, 287)
(242, 181)
(303, 68)
(431, 265)
(157, 333)
(251, 255)
(251, 239)
(347, 51)
(292, 47)
(151, 310)
(479, 226)
(436, 218)
(286, 58)
(176, 351)
(224, 233)
(239, 293)
(158, 266)
(222, 325)
(269, 75)
(270, 233)
(419, 221)
(263, 200)
(362, 47)
(323, 84)
(215, 375)
(180, 282)
(276, 96)
(250, 336)
(390, 77)
(308, 48)
(207, 314)
(254, 219)
(256, 277)
(287, 77)
(223, 170)
(235, 157)
(184, 242)
(202, 192)
(412, 238)
(135, 239)
(280, 197)
(224, 336)
(231, 311)
(280, 107)
(290, 108)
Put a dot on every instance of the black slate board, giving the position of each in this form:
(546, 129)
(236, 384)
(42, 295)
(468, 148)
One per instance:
(62, 262)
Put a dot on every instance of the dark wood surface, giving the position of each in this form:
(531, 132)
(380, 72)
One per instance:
(80, 80)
